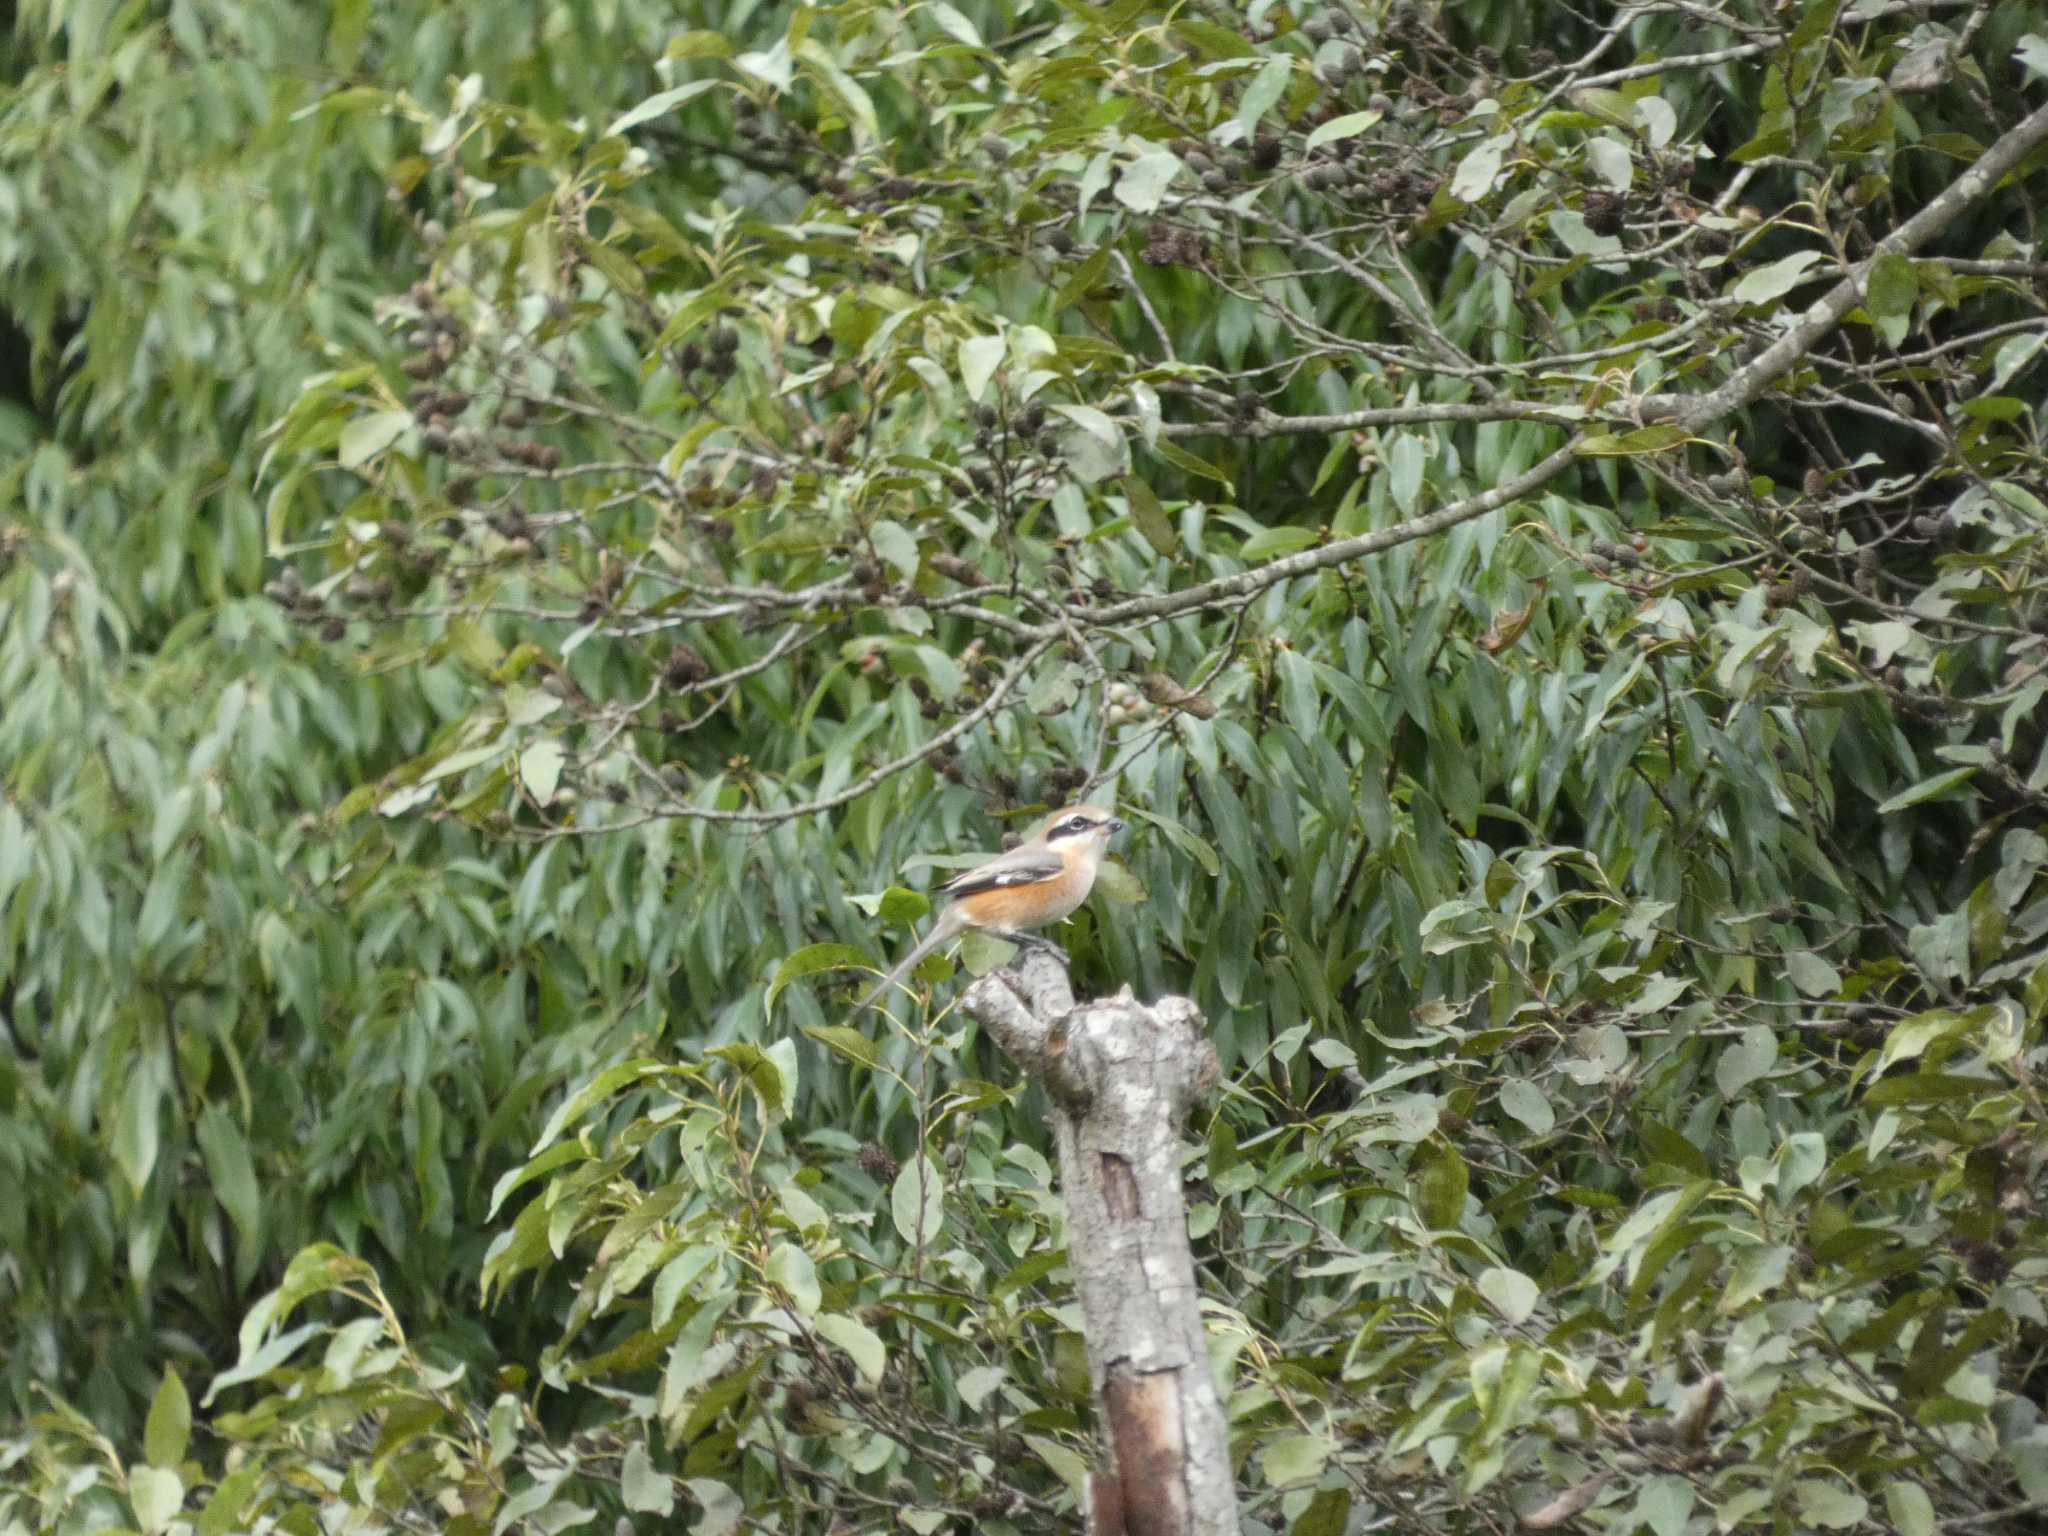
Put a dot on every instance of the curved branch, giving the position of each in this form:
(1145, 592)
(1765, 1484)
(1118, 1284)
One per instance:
(1257, 579)
(1268, 424)
(1003, 687)
(1754, 377)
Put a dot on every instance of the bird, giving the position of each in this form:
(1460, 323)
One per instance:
(1034, 885)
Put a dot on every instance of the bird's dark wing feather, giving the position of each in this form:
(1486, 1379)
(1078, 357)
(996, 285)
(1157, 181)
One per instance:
(999, 874)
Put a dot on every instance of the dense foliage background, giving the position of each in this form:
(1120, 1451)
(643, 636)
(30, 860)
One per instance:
(522, 521)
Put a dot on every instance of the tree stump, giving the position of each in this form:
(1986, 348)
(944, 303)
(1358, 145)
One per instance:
(1122, 1077)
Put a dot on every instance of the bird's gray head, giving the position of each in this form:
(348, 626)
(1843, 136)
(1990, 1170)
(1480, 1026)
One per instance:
(1080, 821)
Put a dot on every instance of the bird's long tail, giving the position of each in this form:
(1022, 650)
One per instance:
(944, 929)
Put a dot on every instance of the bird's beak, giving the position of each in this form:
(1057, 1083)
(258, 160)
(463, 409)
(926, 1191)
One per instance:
(1115, 826)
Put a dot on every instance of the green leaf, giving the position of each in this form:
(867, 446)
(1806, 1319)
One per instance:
(851, 94)
(1811, 974)
(955, 24)
(1889, 291)
(917, 1202)
(600, 1087)
(1437, 1182)
(1761, 285)
(790, 1268)
(901, 907)
(1148, 516)
(1909, 1507)
(1327, 1514)
(1669, 1146)
(1267, 87)
(260, 1362)
(643, 1487)
(847, 1042)
(859, 1341)
(1063, 1462)
(135, 1129)
(1405, 459)
(1801, 1162)
(678, 1277)
(698, 44)
(156, 1494)
(223, 1512)
(1142, 186)
(1270, 543)
(1749, 1058)
(1657, 119)
(1658, 994)
(1512, 1294)
(809, 961)
(1658, 437)
(1610, 161)
(658, 105)
(980, 1384)
(1184, 841)
(723, 1510)
(771, 1072)
(979, 357)
(1525, 1101)
(367, 436)
(1758, 1271)
(1114, 882)
(1665, 1504)
(1480, 168)
(169, 1429)
(1610, 107)
(232, 1172)
(1193, 464)
(1829, 1504)
(895, 544)
(2013, 355)
(540, 769)
(1295, 1458)
(2029, 1458)
(1350, 125)
(1911, 1036)
(1927, 789)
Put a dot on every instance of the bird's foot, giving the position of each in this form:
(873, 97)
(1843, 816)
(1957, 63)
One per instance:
(1031, 941)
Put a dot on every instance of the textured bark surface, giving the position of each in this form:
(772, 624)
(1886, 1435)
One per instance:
(1122, 1077)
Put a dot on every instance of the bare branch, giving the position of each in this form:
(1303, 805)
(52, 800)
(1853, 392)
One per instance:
(1267, 424)
(1753, 378)
(1245, 583)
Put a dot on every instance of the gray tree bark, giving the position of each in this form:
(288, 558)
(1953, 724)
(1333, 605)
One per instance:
(1122, 1077)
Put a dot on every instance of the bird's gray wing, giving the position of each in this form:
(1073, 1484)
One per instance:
(1007, 869)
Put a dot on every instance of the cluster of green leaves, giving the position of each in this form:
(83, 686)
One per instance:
(775, 1323)
(707, 467)
(222, 1035)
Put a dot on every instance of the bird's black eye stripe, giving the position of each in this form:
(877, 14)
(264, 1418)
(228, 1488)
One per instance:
(1072, 826)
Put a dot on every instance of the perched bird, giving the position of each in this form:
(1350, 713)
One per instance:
(1034, 885)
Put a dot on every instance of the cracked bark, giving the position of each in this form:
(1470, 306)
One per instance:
(1122, 1076)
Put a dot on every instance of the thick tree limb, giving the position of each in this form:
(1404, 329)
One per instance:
(1122, 1077)
(1694, 412)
